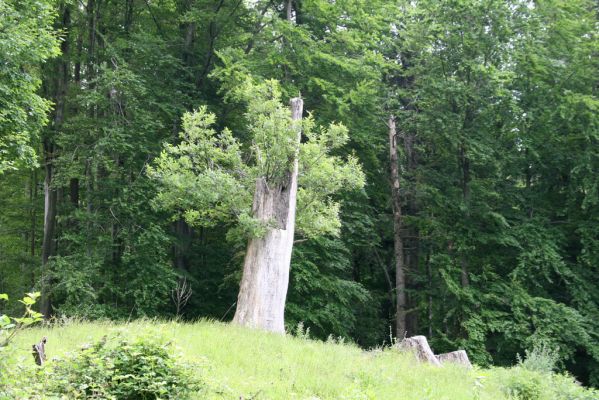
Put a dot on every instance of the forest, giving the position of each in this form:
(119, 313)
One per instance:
(426, 167)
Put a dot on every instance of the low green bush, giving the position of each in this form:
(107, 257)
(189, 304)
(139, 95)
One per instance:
(541, 358)
(120, 368)
(524, 384)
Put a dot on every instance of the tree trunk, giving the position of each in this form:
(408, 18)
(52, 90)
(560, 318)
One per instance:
(263, 290)
(455, 357)
(50, 193)
(32, 204)
(289, 10)
(419, 346)
(400, 276)
(411, 239)
(50, 198)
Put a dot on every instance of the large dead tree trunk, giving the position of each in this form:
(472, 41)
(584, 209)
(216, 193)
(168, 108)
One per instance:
(400, 275)
(263, 290)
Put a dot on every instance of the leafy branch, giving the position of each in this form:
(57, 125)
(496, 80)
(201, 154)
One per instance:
(10, 326)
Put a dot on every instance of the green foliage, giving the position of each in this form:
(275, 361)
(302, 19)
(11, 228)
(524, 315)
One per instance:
(205, 179)
(540, 358)
(496, 108)
(322, 297)
(524, 385)
(9, 328)
(204, 176)
(238, 362)
(27, 39)
(117, 367)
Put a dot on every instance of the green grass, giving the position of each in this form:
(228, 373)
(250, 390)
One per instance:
(240, 363)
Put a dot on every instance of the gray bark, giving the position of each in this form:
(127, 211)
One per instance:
(419, 346)
(50, 199)
(39, 352)
(400, 275)
(263, 290)
(455, 357)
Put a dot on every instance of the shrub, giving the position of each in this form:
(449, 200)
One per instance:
(523, 384)
(566, 388)
(541, 358)
(11, 326)
(119, 368)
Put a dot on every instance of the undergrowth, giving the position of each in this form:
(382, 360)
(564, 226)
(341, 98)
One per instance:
(208, 360)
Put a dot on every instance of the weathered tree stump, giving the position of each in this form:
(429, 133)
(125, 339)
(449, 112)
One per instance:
(419, 346)
(455, 357)
(39, 351)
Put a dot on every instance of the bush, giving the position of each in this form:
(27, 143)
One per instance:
(11, 326)
(522, 384)
(542, 358)
(118, 368)
(566, 388)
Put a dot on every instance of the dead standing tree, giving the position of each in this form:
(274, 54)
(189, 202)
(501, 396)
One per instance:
(181, 295)
(400, 274)
(263, 290)
(258, 192)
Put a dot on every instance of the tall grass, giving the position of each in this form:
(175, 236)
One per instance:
(237, 363)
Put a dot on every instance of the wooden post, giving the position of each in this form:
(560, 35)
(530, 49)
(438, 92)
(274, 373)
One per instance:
(39, 352)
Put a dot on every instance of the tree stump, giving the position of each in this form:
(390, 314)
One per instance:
(39, 352)
(419, 346)
(455, 357)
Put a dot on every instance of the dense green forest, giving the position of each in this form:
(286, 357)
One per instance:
(452, 187)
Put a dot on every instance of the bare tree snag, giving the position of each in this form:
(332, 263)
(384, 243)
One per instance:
(263, 290)
(289, 10)
(455, 357)
(39, 352)
(48, 246)
(419, 346)
(400, 275)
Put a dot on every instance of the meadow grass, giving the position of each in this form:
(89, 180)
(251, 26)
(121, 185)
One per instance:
(238, 363)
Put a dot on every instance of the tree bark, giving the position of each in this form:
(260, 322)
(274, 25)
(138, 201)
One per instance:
(400, 276)
(263, 290)
(50, 193)
(33, 214)
(50, 199)
(455, 357)
(39, 351)
(289, 10)
(421, 349)
(411, 241)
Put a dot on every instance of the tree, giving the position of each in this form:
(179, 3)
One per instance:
(211, 177)
(400, 275)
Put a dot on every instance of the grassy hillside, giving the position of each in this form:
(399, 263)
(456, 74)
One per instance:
(238, 363)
